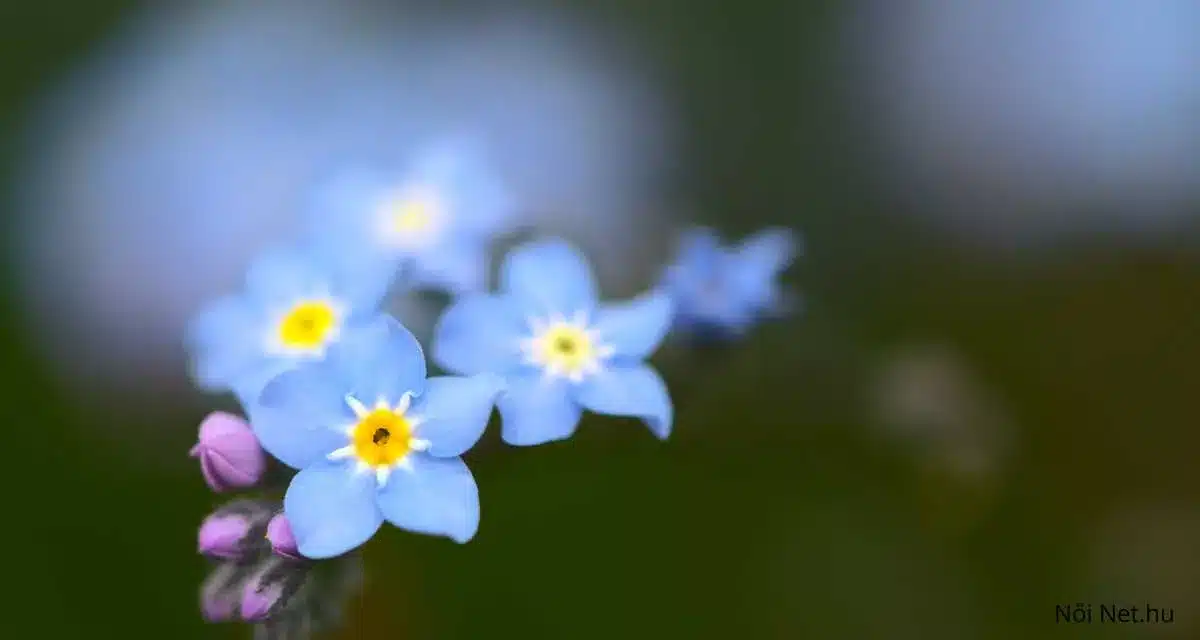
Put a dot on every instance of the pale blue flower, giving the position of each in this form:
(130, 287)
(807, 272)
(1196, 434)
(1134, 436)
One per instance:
(559, 350)
(726, 290)
(194, 133)
(433, 221)
(291, 310)
(375, 440)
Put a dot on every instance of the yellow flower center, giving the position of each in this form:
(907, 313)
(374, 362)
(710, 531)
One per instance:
(564, 347)
(308, 325)
(411, 216)
(382, 437)
(567, 348)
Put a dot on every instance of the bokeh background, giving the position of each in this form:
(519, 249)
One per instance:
(986, 409)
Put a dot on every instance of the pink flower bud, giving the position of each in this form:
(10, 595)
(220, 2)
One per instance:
(283, 542)
(230, 456)
(224, 536)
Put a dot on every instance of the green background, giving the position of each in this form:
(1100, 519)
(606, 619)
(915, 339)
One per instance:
(777, 510)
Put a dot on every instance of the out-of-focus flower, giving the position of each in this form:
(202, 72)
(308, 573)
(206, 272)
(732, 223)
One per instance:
(191, 139)
(374, 440)
(723, 291)
(928, 399)
(283, 541)
(433, 222)
(292, 310)
(230, 456)
(929, 396)
(558, 348)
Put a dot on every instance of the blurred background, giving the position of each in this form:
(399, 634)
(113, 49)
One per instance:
(986, 409)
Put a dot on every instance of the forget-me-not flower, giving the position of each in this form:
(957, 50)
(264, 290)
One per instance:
(725, 290)
(432, 222)
(291, 310)
(559, 350)
(375, 440)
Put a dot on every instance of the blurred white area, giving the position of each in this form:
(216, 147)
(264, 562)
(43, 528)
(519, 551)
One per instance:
(1026, 121)
(927, 396)
(186, 145)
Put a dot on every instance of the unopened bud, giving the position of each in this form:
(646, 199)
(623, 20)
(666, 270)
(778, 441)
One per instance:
(230, 456)
(224, 536)
(283, 542)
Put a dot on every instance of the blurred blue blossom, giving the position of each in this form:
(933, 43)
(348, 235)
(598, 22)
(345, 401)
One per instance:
(375, 440)
(432, 222)
(189, 141)
(292, 310)
(722, 291)
(560, 350)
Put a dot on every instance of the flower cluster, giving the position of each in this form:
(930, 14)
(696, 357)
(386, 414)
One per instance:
(259, 575)
(340, 392)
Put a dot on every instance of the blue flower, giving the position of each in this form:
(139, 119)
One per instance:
(375, 440)
(559, 350)
(433, 222)
(724, 290)
(291, 310)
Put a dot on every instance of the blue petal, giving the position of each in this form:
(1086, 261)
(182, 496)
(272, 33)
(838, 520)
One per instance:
(635, 391)
(280, 276)
(341, 230)
(693, 279)
(247, 388)
(365, 283)
(341, 212)
(769, 251)
(635, 328)
(457, 267)
(480, 205)
(226, 343)
(479, 334)
(721, 305)
(454, 412)
(549, 276)
(754, 266)
(699, 251)
(437, 496)
(535, 410)
(298, 414)
(332, 509)
(379, 359)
